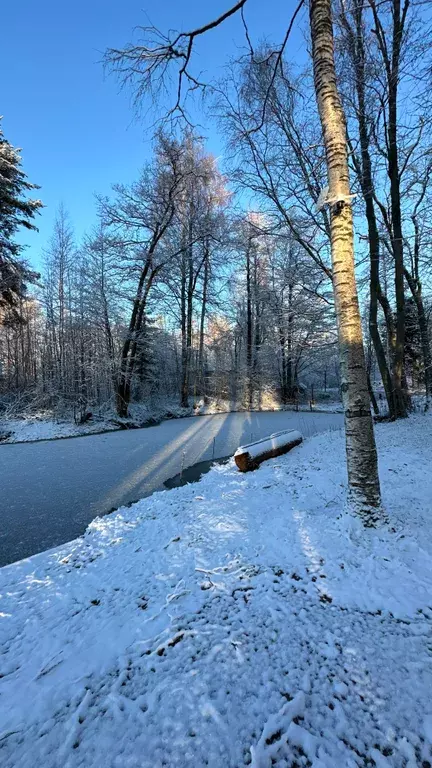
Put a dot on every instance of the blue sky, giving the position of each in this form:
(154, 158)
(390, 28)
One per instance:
(77, 131)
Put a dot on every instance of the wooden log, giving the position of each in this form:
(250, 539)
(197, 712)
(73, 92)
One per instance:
(249, 457)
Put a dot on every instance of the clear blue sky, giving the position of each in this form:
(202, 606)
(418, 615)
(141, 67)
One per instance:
(77, 131)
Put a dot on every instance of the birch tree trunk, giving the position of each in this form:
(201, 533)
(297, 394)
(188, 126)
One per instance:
(363, 480)
(249, 326)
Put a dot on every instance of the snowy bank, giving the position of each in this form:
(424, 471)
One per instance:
(32, 428)
(28, 430)
(44, 426)
(241, 620)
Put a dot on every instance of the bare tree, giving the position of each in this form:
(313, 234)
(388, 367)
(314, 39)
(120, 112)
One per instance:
(59, 261)
(139, 220)
(198, 229)
(143, 63)
(355, 67)
(419, 192)
(389, 44)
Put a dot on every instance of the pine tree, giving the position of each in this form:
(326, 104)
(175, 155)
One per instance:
(15, 211)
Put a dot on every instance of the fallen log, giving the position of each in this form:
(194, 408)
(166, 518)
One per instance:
(249, 457)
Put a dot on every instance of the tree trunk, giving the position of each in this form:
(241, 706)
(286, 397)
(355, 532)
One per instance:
(249, 327)
(391, 54)
(257, 335)
(367, 185)
(284, 393)
(190, 295)
(401, 396)
(289, 366)
(374, 403)
(363, 480)
(201, 362)
(128, 353)
(183, 326)
(187, 289)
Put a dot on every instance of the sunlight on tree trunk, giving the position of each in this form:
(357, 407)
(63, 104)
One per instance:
(363, 481)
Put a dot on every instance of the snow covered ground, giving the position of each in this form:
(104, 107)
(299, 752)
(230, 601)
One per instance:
(28, 430)
(46, 425)
(243, 620)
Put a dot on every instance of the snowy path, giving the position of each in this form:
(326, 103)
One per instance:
(241, 621)
(50, 491)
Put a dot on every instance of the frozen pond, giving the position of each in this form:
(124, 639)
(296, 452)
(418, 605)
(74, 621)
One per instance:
(50, 491)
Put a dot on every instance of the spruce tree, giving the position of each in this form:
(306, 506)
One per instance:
(15, 211)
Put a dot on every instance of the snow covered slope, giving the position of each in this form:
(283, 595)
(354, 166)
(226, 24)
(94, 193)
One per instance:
(31, 430)
(244, 620)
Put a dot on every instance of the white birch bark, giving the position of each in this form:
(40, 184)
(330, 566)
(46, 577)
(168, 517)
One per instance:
(363, 481)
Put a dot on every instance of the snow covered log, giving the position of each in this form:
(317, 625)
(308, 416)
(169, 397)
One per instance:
(249, 457)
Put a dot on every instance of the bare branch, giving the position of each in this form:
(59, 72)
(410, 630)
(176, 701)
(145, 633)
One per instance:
(146, 66)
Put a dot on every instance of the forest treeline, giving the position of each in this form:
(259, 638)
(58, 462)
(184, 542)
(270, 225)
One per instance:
(175, 294)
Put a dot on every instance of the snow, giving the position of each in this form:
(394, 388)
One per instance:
(270, 404)
(32, 429)
(275, 441)
(43, 425)
(243, 620)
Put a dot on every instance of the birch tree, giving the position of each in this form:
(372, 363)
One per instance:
(146, 64)
(360, 443)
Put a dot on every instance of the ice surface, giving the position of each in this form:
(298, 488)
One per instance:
(51, 491)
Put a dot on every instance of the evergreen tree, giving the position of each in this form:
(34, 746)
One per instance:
(15, 211)
(413, 345)
(146, 370)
